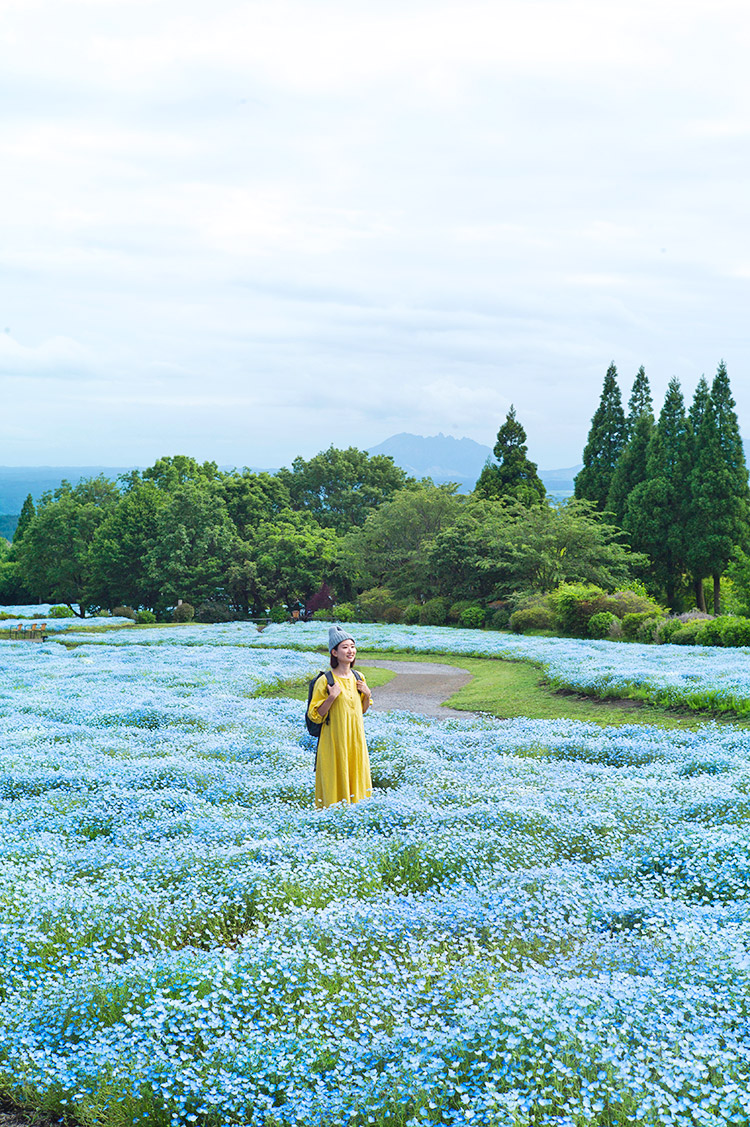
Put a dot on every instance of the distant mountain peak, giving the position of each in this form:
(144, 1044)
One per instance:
(445, 458)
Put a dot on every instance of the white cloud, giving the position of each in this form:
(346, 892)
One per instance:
(209, 212)
(53, 359)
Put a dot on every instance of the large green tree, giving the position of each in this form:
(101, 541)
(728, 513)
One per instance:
(282, 561)
(561, 543)
(461, 556)
(118, 563)
(340, 487)
(55, 552)
(389, 549)
(253, 498)
(657, 509)
(512, 475)
(173, 470)
(493, 550)
(604, 446)
(193, 544)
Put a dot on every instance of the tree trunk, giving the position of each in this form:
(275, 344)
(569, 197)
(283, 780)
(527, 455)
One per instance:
(717, 594)
(700, 594)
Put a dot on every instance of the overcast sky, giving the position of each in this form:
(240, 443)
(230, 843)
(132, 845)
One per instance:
(245, 231)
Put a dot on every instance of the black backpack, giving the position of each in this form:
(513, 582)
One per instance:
(312, 727)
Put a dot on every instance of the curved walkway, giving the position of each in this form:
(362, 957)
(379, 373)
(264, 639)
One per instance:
(419, 687)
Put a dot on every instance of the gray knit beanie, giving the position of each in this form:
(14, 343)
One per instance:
(337, 634)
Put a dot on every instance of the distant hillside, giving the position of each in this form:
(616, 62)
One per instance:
(16, 482)
(444, 458)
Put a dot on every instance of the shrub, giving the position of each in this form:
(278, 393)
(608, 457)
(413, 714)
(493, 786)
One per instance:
(499, 619)
(124, 612)
(183, 612)
(626, 602)
(499, 614)
(433, 613)
(726, 630)
(535, 616)
(276, 614)
(412, 613)
(689, 634)
(646, 631)
(344, 612)
(600, 625)
(212, 611)
(632, 622)
(322, 615)
(454, 611)
(574, 604)
(60, 612)
(669, 627)
(145, 616)
(374, 603)
(394, 613)
(473, 617)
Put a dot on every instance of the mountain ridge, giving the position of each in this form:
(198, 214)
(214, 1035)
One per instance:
(445, 458)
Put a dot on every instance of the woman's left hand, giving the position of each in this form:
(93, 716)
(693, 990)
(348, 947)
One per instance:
(365, 691)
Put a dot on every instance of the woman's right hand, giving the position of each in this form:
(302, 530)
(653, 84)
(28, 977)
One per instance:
(334, 690)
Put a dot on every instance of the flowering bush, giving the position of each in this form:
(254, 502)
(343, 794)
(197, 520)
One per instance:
(530, 922)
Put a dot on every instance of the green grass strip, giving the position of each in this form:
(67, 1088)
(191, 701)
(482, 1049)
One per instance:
(510, 689)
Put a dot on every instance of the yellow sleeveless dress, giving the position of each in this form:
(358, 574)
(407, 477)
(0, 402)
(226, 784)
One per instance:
(343, 769)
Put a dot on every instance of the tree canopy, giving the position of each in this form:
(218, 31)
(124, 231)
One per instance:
(340, 487)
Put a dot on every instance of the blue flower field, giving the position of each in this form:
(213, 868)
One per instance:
(530, 922)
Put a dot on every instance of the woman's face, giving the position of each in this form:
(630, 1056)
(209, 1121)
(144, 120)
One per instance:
(345, 651)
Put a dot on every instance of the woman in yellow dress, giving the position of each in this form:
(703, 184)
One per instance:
(342, 772)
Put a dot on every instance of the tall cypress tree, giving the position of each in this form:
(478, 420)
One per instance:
(640, 402)
(701, 401)
(514, 475)
(27, 515)
(731, 507)
(656, 509)
(630, 470)
(604, 445)
(703, 487)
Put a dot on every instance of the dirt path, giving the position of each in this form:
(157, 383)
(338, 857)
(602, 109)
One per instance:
(419, 687)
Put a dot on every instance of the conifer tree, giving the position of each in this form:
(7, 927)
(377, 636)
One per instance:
(640, 402)
(630, 470)
(514, 475)
(731, 506)
(702, 487)
(701, 401)
(656, 509)
(604, 445)
(28, 513)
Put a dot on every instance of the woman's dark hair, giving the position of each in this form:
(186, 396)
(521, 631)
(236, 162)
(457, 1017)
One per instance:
(335, 661)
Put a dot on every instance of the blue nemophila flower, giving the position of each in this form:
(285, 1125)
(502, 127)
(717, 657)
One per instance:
(533, 922)
(697, 677)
